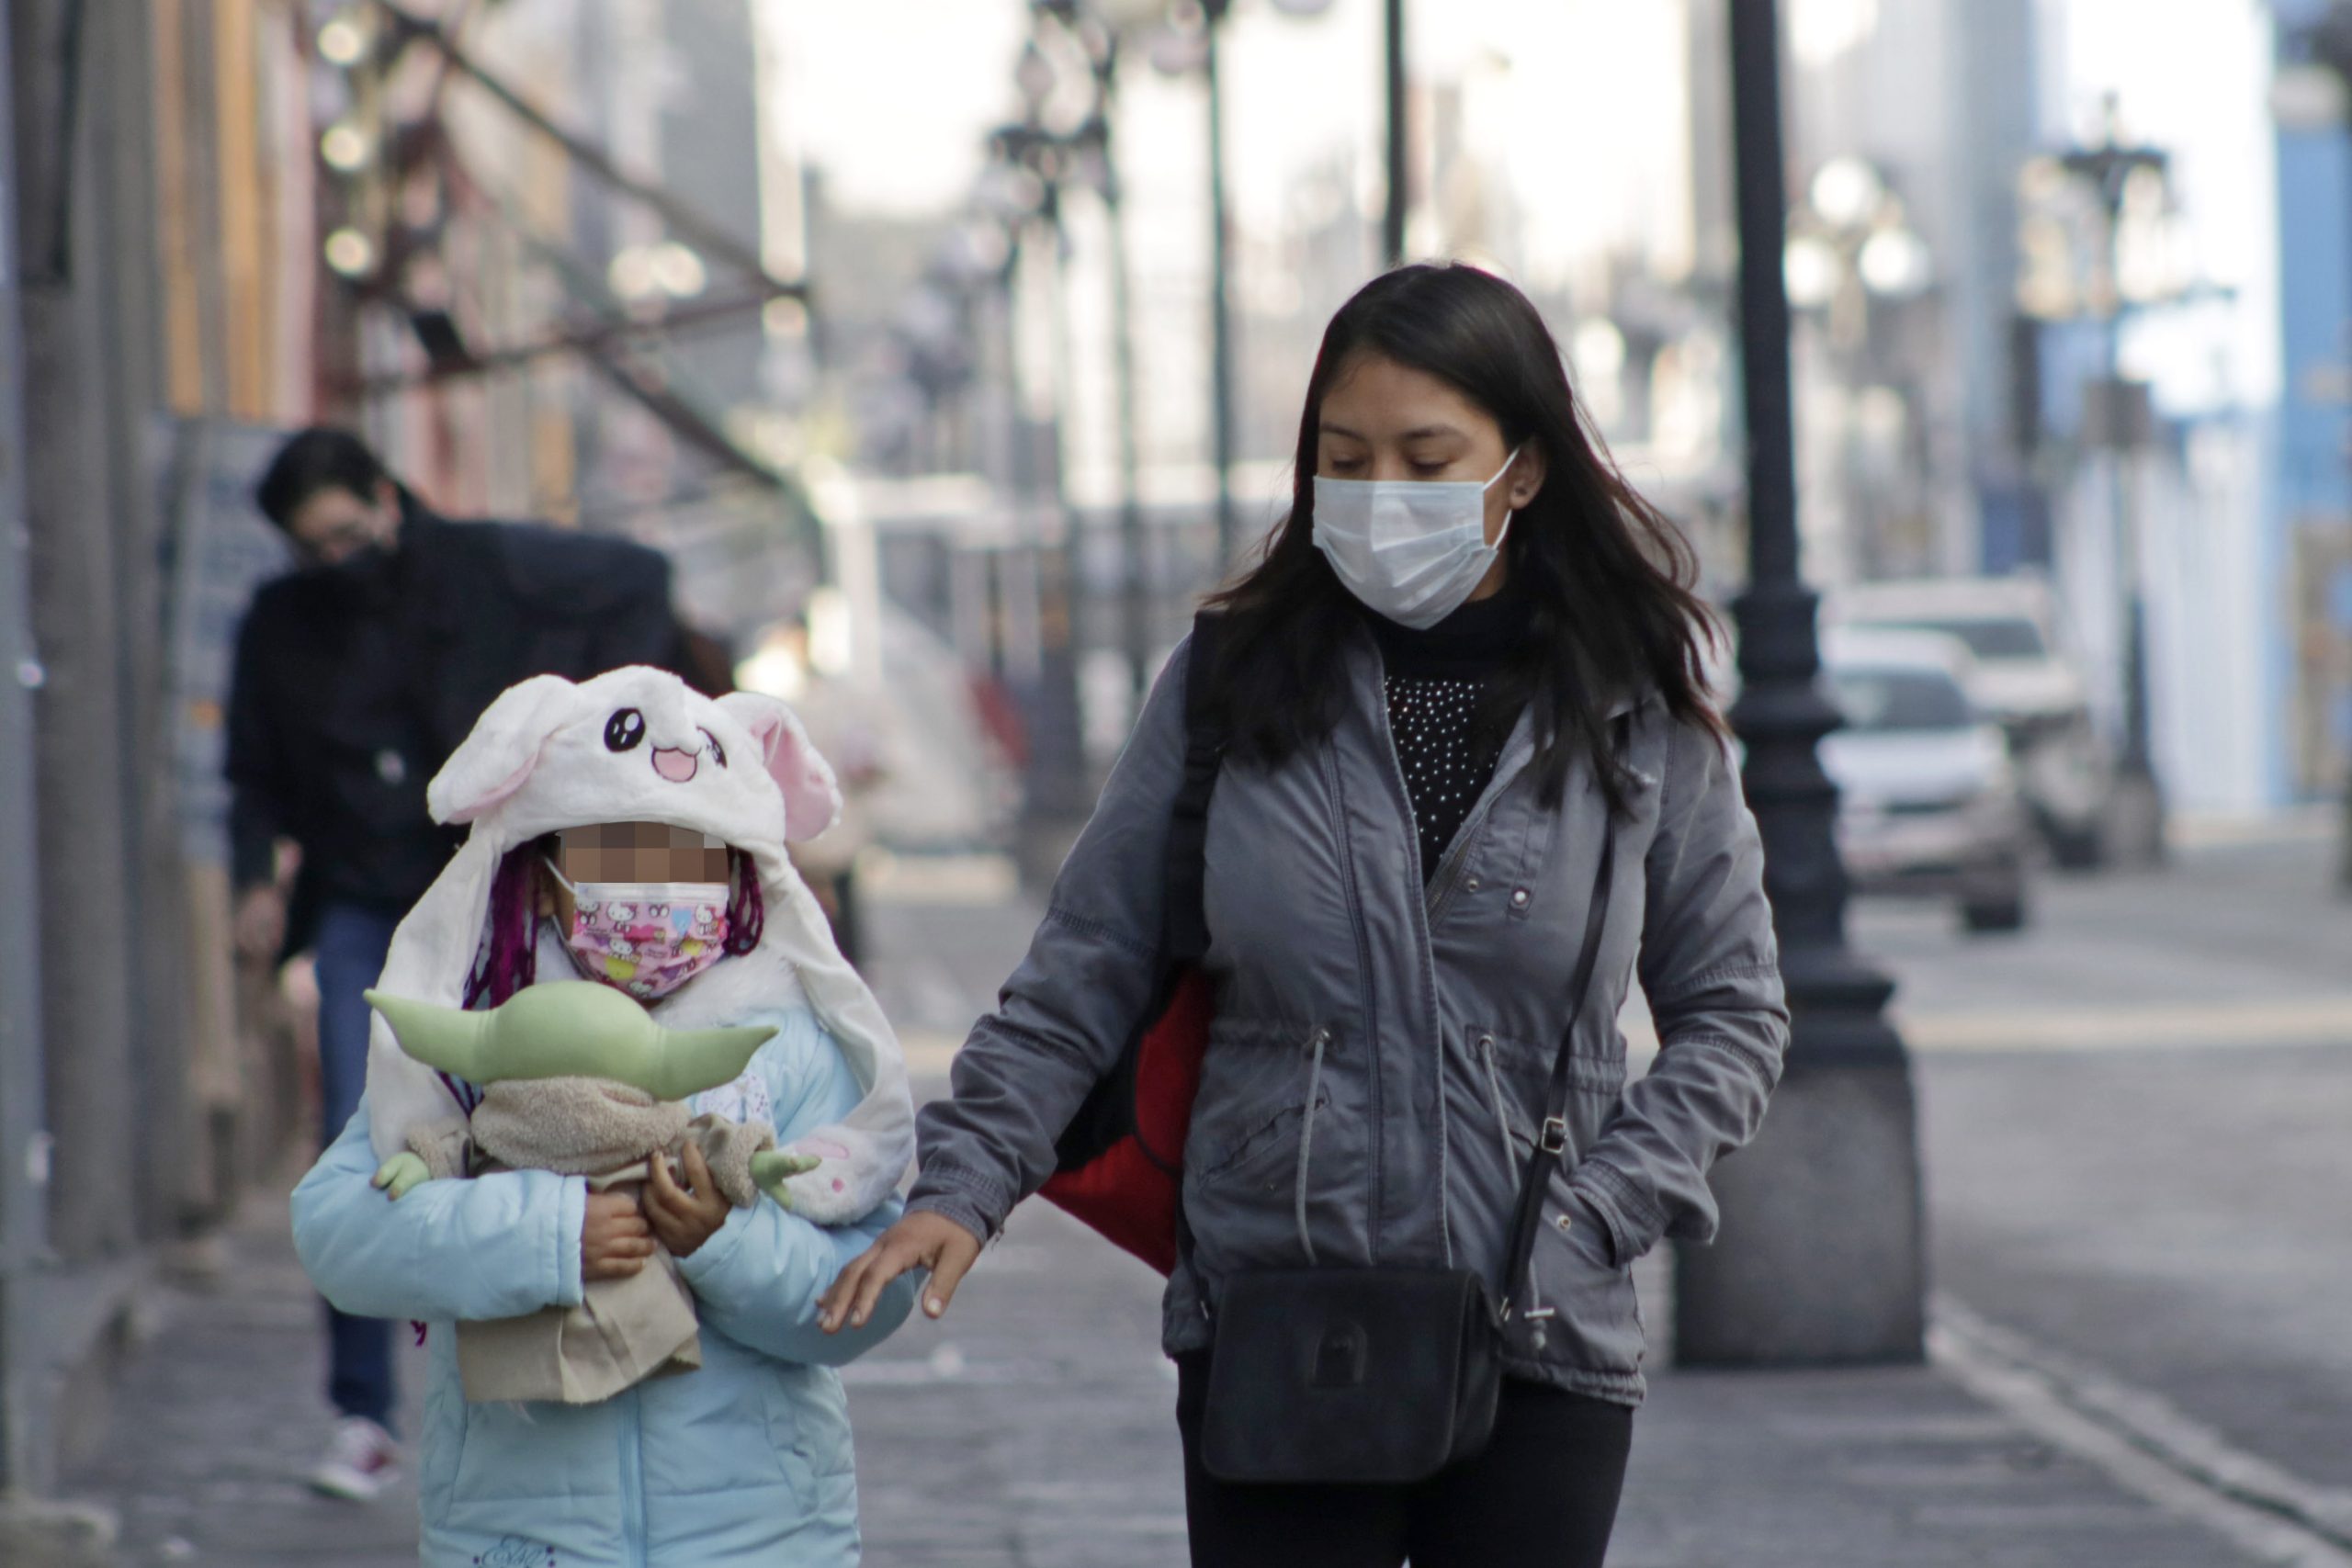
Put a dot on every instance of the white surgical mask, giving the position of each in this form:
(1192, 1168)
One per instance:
(1411, 549)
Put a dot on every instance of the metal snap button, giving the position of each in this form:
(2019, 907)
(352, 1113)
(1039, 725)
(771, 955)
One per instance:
(1564, 1222)
(1518, 896)
(1472, 884)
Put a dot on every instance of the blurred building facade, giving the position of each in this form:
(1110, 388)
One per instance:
(526, 249)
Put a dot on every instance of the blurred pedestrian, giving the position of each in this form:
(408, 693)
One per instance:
(1470, 771)
(356, 675)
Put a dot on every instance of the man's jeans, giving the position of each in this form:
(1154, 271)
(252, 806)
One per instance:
(350, 952)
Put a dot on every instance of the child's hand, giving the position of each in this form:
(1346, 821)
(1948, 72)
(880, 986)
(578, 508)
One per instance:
(615, 1240)
(685, 1218)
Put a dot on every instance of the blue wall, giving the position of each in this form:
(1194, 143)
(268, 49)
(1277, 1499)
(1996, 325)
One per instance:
(2312, 471)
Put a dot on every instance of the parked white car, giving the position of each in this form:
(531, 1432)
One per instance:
(2020, 676)
(1929, 804)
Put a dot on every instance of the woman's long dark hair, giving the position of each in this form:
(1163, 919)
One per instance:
(1609, 578)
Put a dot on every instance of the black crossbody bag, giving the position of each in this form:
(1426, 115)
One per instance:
(1380, 1375)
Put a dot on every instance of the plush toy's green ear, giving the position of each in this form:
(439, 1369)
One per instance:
(688, 1061)
(444, 1038)
(570, 1028)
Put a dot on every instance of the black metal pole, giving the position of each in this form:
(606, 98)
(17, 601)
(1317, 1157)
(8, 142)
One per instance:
(1400, 190)
(1782, 713)
(1821, 1256)
(2137, 762)
(1220, 305)
(25, 1381)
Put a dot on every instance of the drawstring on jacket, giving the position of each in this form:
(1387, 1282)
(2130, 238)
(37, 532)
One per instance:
(1306, 1138)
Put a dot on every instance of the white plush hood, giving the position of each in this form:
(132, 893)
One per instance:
(537, 762)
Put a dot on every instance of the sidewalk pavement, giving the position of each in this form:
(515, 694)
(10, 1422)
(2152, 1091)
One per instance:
(1032, 1428)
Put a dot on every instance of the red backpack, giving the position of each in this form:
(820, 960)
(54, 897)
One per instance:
(1119, 1164)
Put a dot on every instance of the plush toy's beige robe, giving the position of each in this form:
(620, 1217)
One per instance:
(623, 1331)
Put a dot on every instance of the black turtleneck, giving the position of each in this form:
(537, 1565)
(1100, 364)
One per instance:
(1435, 680)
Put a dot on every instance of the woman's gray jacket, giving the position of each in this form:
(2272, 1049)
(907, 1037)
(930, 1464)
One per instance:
(1376, 1072)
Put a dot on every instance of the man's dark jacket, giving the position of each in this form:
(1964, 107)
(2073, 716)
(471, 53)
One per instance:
(348, 696)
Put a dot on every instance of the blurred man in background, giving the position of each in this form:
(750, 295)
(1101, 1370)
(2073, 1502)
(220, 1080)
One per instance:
(356, 675)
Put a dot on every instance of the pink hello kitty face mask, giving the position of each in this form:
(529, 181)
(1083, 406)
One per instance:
(646, 937)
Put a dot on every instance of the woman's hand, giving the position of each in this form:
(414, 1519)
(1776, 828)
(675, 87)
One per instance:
(614, 1239)
(919, 1241)
(685, 1218)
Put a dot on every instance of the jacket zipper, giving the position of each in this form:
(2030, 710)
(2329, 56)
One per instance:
(1426, 950)
(1338, 809)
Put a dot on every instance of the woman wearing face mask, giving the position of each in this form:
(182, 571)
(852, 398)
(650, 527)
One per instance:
(1471, 783)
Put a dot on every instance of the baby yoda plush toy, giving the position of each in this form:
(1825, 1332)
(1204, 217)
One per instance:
(632, 746)
(577, 1079)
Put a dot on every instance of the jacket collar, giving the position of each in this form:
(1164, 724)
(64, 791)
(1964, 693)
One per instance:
(1364, 670)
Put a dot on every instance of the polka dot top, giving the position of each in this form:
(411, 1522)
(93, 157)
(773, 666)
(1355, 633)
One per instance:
(1435, 681)
(1445, 772)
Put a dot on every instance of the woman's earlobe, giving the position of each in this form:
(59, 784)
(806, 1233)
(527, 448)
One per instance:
(1532, 486)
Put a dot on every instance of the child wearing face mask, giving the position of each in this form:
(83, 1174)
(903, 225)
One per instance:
(682, 900)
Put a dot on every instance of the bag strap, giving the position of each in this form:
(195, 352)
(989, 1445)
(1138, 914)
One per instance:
(1552, 1137)
(1184, 919)
(1183, 922)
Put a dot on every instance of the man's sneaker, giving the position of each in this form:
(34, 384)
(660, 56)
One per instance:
(362, 1460)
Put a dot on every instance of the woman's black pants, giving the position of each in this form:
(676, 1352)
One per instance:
(1543, 1494)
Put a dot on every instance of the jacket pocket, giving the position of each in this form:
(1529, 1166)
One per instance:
(1252, 1096)
(513, 1452)
(1596, 1322)
(1271, 1100)
(1255, 1147)
(730, 1426)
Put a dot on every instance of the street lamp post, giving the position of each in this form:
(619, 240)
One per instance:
(1821, 1258)
(1134, 551)
(1220, 298)
(1213, 15)
(2109, 169)
(1100, 27)
(1400, 195)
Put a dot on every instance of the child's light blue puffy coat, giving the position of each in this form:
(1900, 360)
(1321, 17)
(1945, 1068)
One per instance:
(747, 1460)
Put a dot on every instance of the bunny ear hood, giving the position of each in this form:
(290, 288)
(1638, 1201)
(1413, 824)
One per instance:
(639, 745)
